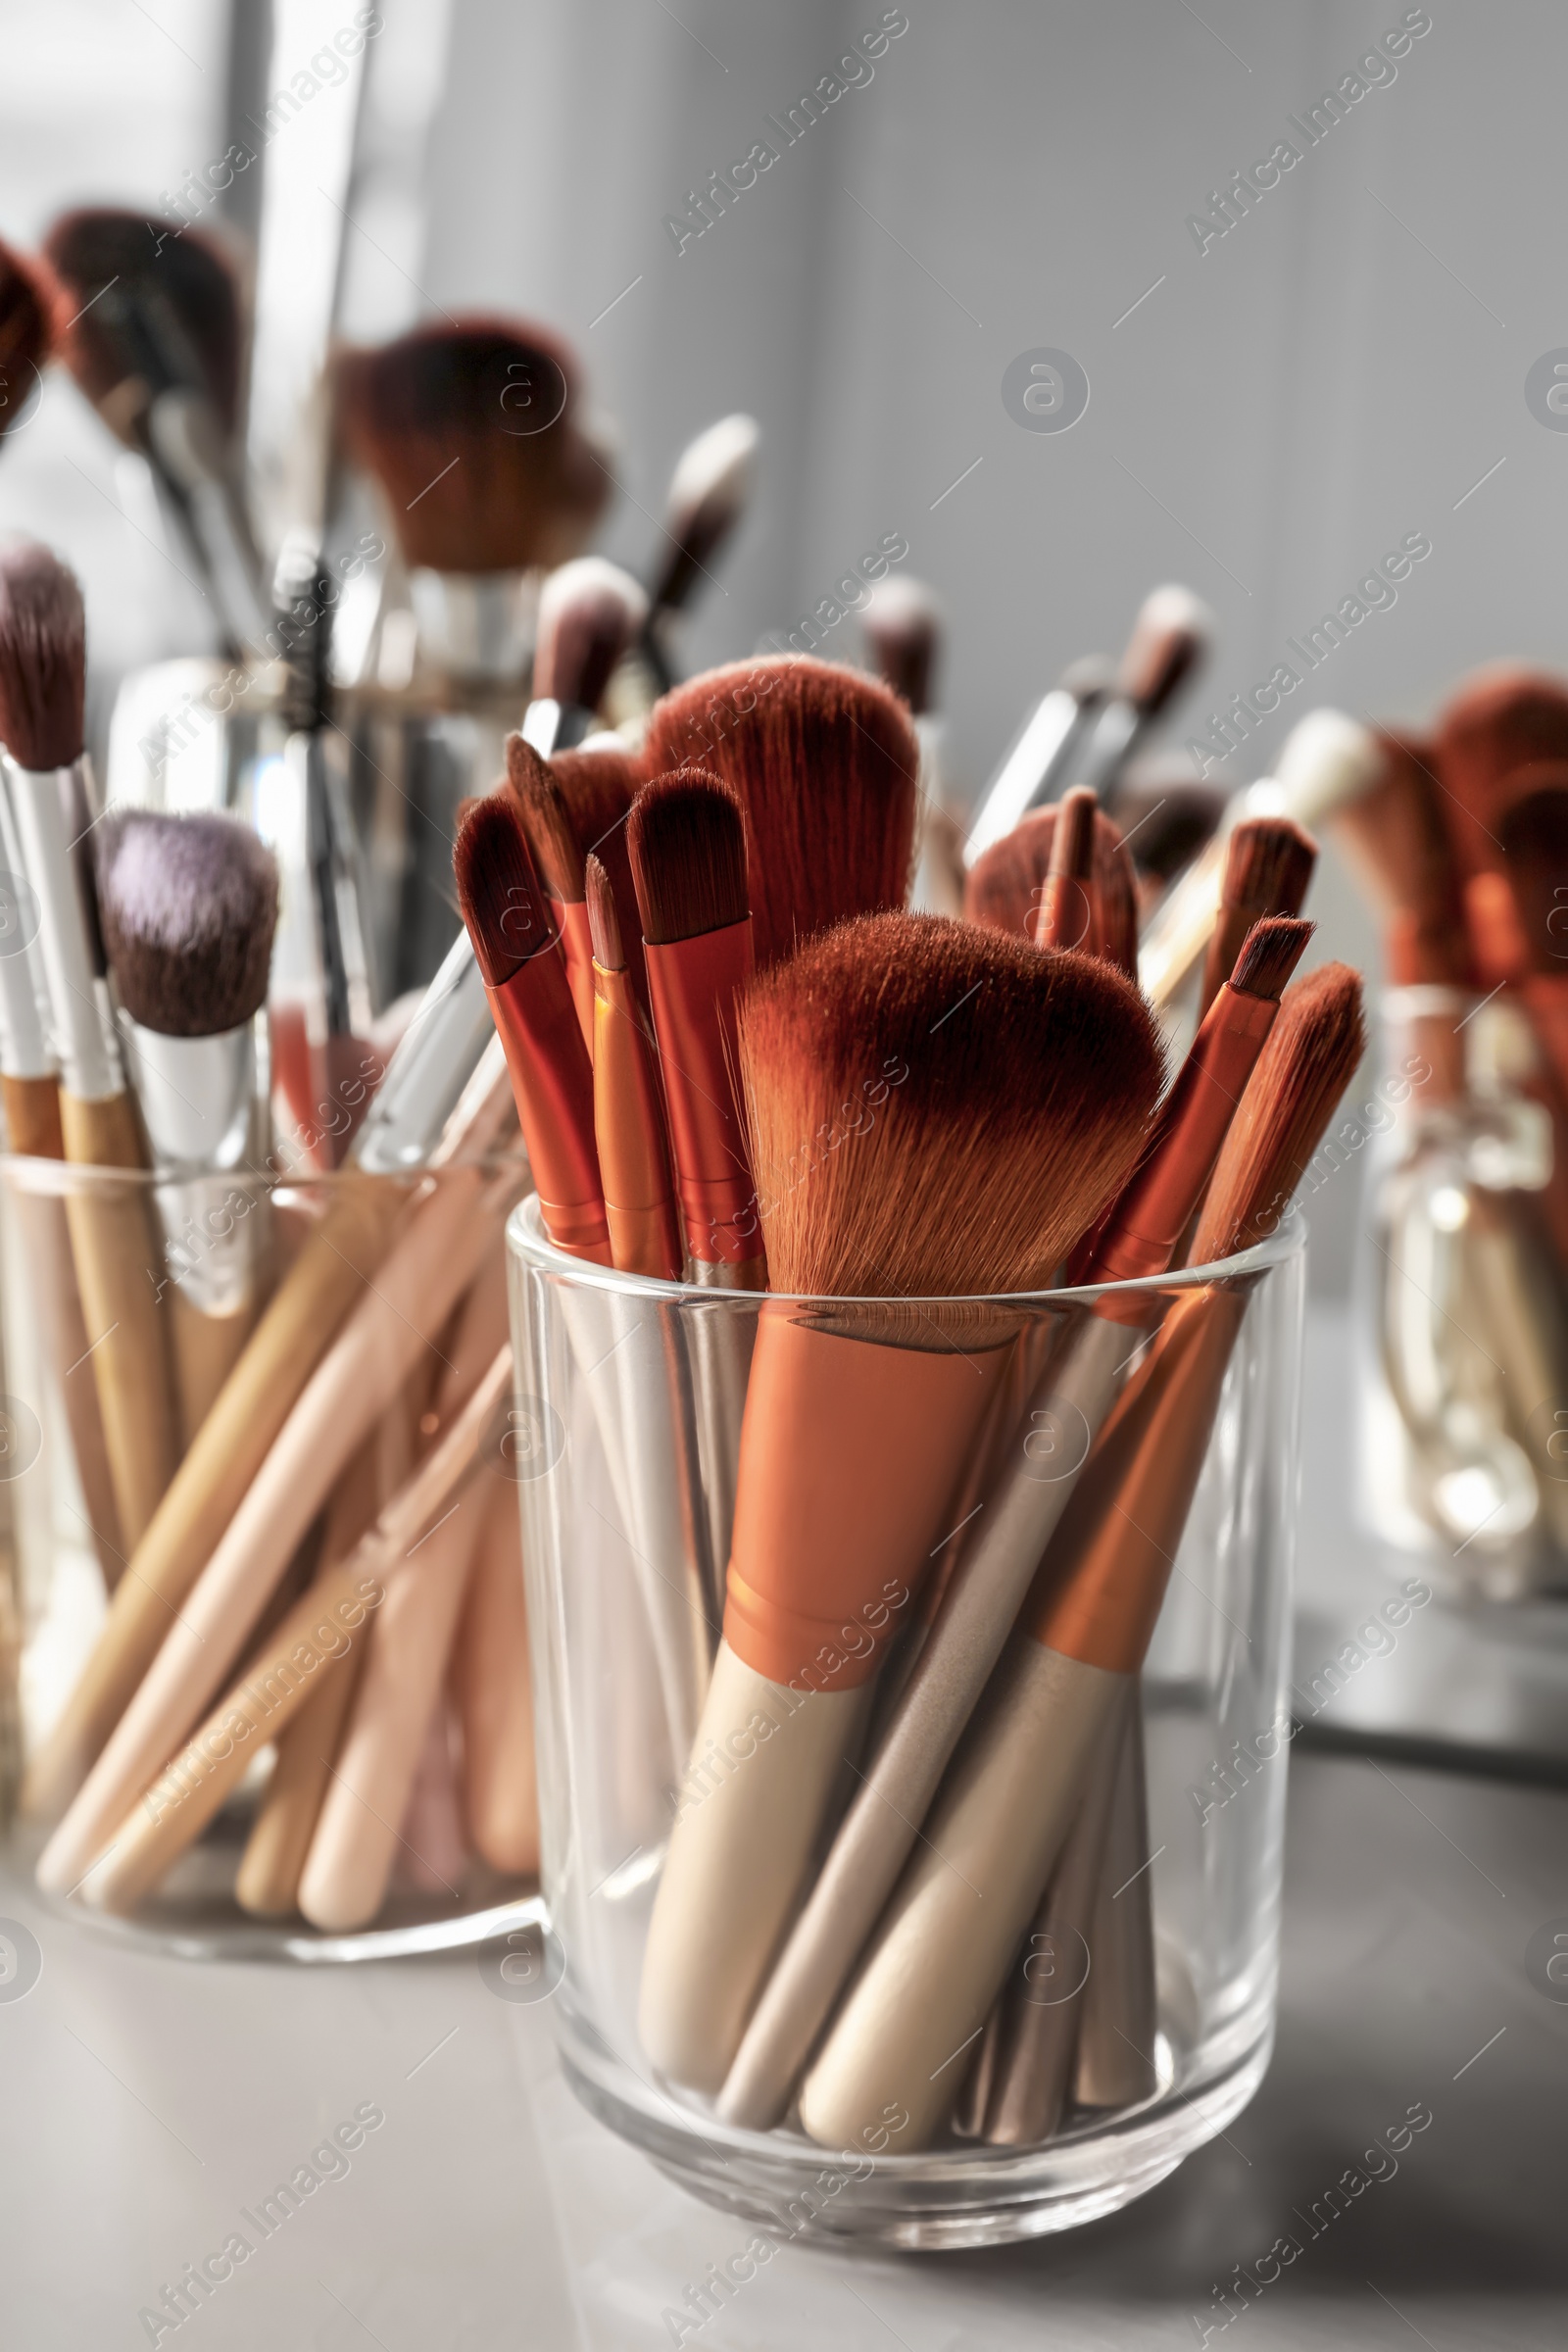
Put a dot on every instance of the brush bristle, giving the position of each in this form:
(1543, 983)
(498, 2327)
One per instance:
(1003, 889)
(499, 397)
(573, 803)
(589, 613)
(547, 821)
(1066, 913)
(603, 922)
(1269, 955)
(188, 906)
(43, 657)
(1396, 840)
(503, 901)
(825, 763)
(1532, 833)
(1169, 639)
(1072, 845)
(1165, 814)
(708, 494)
(936, 1111)
(140, 303)
(1502, 719)
(902, 625)
(1268, 865)
(1309, 1059)
(27, 306)
(686, 838)
(1326, 761)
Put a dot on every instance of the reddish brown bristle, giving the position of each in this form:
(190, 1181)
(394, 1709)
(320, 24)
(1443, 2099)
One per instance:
(903, 626)
(825, 762)
(1165, 813)
(471, 428)
(583, 805)
(547, 821)
(1116, 887)
(1309, 1059)
(1533, 835)
(1398, 845)
(1270, 954)
(686, 838)
(1268, 865)
(937, 1110)
(1169, 639)
(1502, 719)
(603, 923)
(43, 657)
(503, 901)
(27, 303)
(589, 613)
(1066, 914)
(1003, 890)
(139, 301)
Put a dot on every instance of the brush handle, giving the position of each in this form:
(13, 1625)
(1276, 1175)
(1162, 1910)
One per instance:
(412, 1294)
(1116, 2031)
(944, 1948)
(326, 1624)
(325, 1280)
(120, 1255)
(32, 1117)
(57, 1305)
(490, 1670)
(207, 1347)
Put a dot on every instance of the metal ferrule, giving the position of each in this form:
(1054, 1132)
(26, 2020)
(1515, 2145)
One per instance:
(1033, 770)
(197, 1095)
(549, 727)
(477, 624)
(438, 1056)
(80, 1021)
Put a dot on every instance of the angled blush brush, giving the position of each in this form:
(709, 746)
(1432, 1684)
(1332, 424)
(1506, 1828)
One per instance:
(985, 1590)
(43, 691)
(986, 1097)
(825, 765)
(939, 1957)
(572, 805)
(188, 906)
(1268, 868)
(471, 430)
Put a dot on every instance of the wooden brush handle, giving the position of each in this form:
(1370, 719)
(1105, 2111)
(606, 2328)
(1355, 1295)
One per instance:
(51, 1279)
(494, 1699)
(325, 1280)
(119, 1269)
(32, 1117)
(207, 1347)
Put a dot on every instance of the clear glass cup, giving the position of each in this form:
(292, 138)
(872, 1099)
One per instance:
(628, 1470)
(1462, 1346)
(196, 1262)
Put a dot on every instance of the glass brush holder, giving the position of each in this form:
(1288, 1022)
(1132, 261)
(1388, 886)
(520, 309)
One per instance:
(221, 1395)
(1134, 2015)
(1463, 1301)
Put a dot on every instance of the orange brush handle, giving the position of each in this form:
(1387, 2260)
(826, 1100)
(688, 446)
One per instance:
(577, 947)
(629, 1131)
(1104, 1579)
(553, 1087)
(851, 1454)
(1150, 1217)
(694, 984)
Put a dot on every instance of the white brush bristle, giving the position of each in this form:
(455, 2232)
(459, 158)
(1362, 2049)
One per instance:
(719, 463)
(1327, 759)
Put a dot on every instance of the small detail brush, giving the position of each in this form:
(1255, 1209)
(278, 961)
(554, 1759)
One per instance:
(1268, 868)
(1064, 917)
(629, 1116)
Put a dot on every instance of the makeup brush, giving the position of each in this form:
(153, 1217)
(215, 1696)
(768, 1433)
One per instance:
(152, 330)
(320, 1635)
(508, 918)
(492, 1693)
(590, 611)
(1064, 917)
(826, 764)
(1003, 889)
(399, 1318)
(1170, 641)
(1066, 1408)
(471, 430)
(42, 688)
(934, 1114)
(1269, 869)
(28, 304)
(686, 838)
(938, 1956)
(188, 906)
(1502, 719)
(440, 1102)
(1043, 754)
(1326, 762)
(574, 804)
(903, 628)
(709, 492)
(629, 1116)
(1166, 816)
